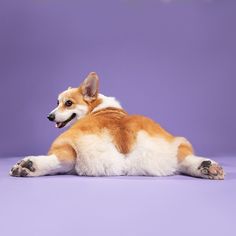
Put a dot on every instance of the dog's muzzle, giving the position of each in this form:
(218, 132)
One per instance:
(61, 124)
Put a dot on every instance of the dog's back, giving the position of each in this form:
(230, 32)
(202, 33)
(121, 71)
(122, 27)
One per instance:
(111, 142)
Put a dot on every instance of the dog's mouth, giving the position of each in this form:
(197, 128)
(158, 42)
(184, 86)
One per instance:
(64, 123)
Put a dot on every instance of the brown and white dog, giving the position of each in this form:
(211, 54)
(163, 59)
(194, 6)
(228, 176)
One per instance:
(104, 140)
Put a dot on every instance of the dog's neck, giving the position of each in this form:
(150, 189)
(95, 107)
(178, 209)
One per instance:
(106, 102)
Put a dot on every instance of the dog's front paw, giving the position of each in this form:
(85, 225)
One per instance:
(211, 170)
(23, 168)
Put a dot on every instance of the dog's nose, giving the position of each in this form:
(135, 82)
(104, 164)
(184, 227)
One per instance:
(51, 117)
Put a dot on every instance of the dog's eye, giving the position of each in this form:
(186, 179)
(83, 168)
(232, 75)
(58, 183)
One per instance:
(57, 102)
(68, 103)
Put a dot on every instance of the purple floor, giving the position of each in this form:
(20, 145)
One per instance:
(72, 205)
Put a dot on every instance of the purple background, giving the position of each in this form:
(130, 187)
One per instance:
(117, 206)
(173, 61)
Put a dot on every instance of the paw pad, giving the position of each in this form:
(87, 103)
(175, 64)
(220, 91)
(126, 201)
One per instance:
(211, 170)
(22, 168)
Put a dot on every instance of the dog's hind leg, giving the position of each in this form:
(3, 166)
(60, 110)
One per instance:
(60, 159)
(197, 166)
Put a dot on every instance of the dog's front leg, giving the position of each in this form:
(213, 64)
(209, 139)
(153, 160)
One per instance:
(60, 159)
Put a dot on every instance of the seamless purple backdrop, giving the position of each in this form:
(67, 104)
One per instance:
(173, 61)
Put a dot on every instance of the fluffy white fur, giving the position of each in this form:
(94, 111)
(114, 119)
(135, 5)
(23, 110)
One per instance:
(150, 156)
(47, 165)
(107, 102)
(190, 165)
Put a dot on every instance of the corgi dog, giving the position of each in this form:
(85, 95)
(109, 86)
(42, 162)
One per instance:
(104, 140)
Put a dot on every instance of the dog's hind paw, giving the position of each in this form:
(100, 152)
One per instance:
(211, 170)
(23, 168)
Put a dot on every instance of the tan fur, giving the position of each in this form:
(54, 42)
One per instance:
(122, 127)
(63, 151)
(184, 150)
(93, 104)
(75, 95)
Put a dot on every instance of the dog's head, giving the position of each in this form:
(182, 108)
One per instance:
(75, 103)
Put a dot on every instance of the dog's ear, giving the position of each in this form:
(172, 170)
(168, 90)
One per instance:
(69, 88)
(90, 87)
